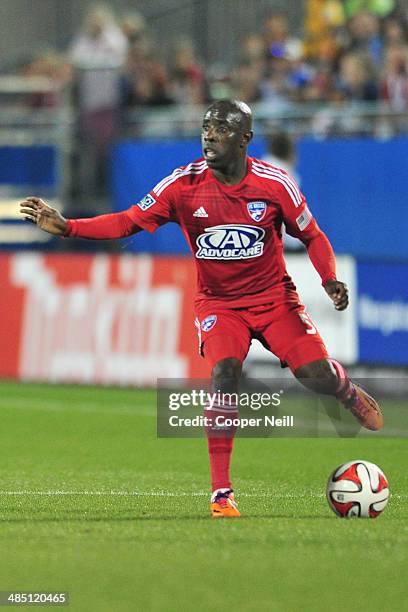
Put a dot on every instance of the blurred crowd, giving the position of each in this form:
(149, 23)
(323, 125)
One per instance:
(348, 50)
(345, 54)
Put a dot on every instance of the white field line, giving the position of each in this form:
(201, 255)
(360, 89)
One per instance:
(263, 494)
(150, 493)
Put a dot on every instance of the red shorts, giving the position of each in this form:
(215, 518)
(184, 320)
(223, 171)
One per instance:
(284, 329)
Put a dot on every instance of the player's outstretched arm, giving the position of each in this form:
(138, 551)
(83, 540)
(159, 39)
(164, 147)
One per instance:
(101, 227)
(44, 216)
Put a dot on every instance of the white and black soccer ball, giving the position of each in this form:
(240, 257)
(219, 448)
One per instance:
(358, 489)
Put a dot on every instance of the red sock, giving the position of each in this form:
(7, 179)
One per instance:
(345, 390)
(220, 451)
(220, 444)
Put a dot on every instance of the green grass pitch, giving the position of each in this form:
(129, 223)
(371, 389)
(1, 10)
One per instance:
(94, 504)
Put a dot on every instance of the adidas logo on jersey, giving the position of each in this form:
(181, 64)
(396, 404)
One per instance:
(200, 212)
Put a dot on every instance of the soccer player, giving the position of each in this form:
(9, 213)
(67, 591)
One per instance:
(231, 208)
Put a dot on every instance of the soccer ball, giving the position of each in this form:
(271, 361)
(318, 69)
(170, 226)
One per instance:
(358, 488)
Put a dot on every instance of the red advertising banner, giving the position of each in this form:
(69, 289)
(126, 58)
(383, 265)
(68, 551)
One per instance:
(120, 320)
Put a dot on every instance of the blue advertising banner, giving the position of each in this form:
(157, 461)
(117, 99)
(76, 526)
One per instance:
(35, 165)
(357, 189)
(383, 313)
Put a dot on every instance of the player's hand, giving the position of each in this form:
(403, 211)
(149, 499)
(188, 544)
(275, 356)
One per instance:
(47, 218)
(338, 293)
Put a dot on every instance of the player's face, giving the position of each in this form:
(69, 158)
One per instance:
(222, 138)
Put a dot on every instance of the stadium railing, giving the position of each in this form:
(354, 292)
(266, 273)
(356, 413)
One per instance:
(376, 119)
(35, 145)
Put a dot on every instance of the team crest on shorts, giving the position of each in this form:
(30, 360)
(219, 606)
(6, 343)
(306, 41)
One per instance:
(257, 210)
(208, 323)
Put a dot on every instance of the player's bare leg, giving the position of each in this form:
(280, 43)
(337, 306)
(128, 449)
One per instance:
(225, 377)
(328, 376)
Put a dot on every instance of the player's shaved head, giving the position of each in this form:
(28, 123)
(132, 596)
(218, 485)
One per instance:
(231, 111)
(225, 137)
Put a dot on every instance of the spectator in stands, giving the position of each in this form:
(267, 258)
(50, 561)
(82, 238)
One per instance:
(357, 78)
(277, 37)
(321, 85)
(281, 152)
(187, 78)
(56, 73)
(250, 69)
(101, 41)
(286, 77)
(245, 82)
(364, 33)
(275, 87)
(323, 24)
(133, 26)
(395, 31)
(395, 79)
(253, 52)
(324, 38)
(143, 80)
(97, 54)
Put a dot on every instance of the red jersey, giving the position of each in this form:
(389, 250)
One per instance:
(234, 231)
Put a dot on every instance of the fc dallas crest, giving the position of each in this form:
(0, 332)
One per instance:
(257, 210)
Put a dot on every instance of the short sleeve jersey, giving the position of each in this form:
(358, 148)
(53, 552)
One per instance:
(234, 231)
